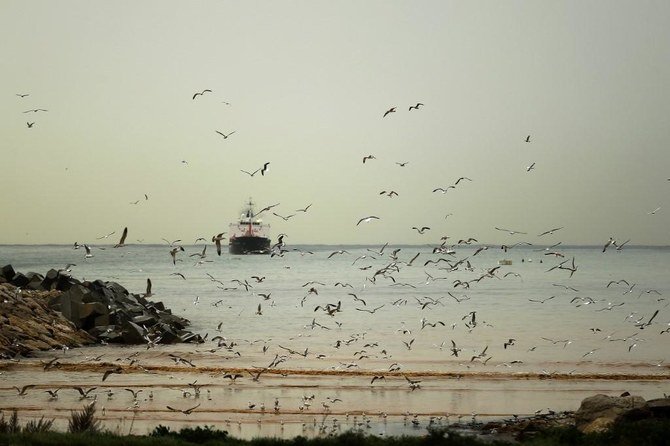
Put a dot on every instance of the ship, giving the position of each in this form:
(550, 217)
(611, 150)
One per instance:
(249, 235)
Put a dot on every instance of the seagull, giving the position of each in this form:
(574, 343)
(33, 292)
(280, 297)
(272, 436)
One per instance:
(370, 311)
(367, 219)
(117, 369)
(22, 391)
(148, 293)
(443, 190)
(611, 241)
(84, 392)
(369, 157)
(415, 107)
(654, 211)
(201, 93)
(528, 138)
(460, 179)
(620, 246)
(22, 95)
(282, 217)
(185, 411)
(551, 231)
(511, 232)
(402, 164)
(304, 209)
(264, 168)
(173, 253)
(123, 238)
(88, 252)
(251, 174)
(35, 110)
(134, 392)
(390, 110)
(422, 230)
(30, 124)
(224, 135)
(531, 167)
(53, 394)
(376, 378)
(217, 240)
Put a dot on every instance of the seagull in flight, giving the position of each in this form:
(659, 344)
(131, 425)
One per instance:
(217, 240)
(22, 95)
(654, 211)
(551, 231)
(184, 411)
(201, 93)
(367, 219)
(531, 167)
(528, 138)
(369, 157)
(422, 230)
(415, 107)
(35, 110)
(224, 135)
(390, 110)
(122, 241)
(511, 232)
(30, 124)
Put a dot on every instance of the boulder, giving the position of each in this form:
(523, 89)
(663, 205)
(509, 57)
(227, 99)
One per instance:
(659, 407)
(50, 279)
(597, 413)
(20, 280)
(34, 281)
(7, 272)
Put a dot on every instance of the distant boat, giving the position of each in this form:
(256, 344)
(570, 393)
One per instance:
(504, 262)
(249, 235)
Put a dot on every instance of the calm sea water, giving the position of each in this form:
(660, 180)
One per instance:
(591, 330)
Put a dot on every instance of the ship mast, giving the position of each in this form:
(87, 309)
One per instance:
(250, 216)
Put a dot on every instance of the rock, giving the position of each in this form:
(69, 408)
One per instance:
(20, 280)
(133, 333)
(659, 407)
(7, 272)
(50, 278)
(34, 281)
(597, 413)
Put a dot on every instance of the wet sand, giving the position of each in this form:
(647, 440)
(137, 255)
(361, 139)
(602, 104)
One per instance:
(387, 407)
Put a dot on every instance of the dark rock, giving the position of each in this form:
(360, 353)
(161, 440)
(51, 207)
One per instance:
(659, 407)
(168, 335)
(35, 281)
(50, 278)
(132, 333)
(145, 319)
(8, 272)
(20, 280)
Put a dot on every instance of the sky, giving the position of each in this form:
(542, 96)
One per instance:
(305, 85)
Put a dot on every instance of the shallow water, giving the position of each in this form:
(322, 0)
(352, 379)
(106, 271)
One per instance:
(563, 350)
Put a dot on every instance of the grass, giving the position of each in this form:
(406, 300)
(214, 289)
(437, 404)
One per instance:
(84, 430)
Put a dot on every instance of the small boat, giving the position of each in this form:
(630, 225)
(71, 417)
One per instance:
(249, 235)
(504, 262)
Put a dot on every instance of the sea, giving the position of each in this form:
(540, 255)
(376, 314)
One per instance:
(459, 337)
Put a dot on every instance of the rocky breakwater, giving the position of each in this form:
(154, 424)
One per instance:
(94, 310)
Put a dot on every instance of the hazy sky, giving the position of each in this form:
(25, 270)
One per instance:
(308, 83)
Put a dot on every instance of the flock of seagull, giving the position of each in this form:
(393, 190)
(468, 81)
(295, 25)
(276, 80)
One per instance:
(444, 261)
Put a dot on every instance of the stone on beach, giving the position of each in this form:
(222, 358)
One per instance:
(97, 310)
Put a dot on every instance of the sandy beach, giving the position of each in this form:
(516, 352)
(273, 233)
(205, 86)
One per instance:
(310, 401)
